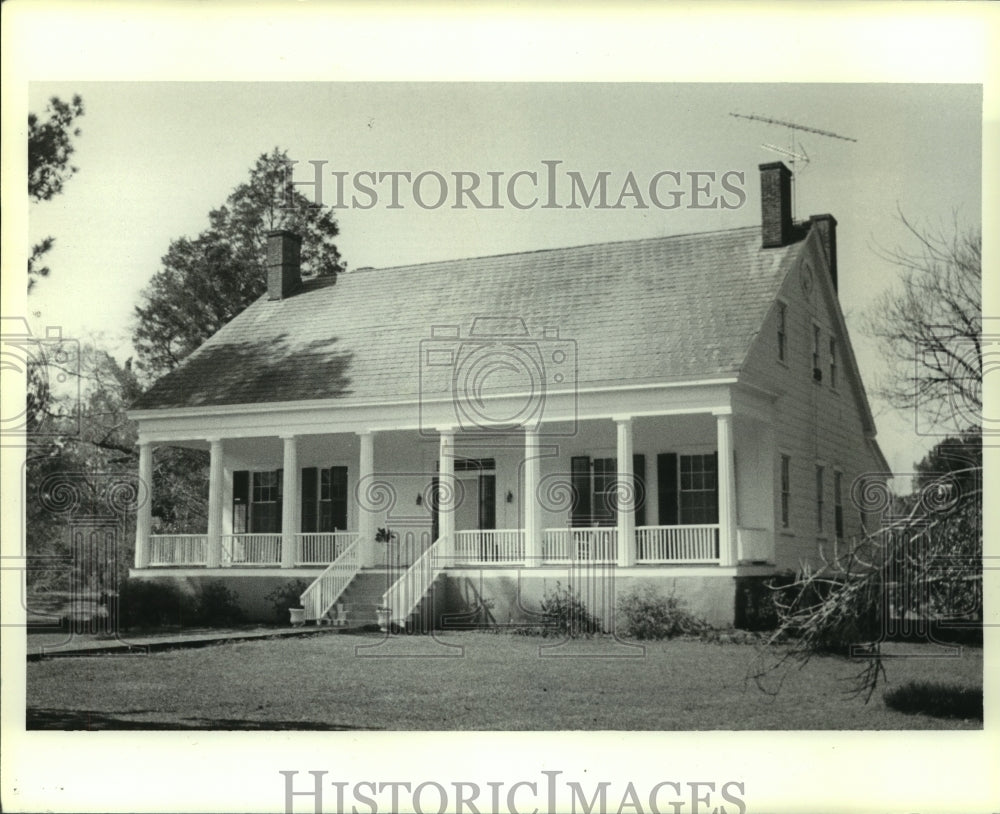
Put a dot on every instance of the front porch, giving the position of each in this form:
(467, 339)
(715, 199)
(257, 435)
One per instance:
(653, 494)
(657, 489)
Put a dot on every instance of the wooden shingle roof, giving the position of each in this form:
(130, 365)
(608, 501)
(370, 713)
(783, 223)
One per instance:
(643, 311)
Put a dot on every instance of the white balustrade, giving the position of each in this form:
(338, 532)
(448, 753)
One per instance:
(405, 594)
(592, 544)
(177, 549)
(678, 544)
(251, 549)
(327, 588)
(322, 548)
(489, 546)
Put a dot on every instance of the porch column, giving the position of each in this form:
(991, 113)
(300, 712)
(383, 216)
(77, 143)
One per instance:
(446, 491)
(144, 515)
(727, 488)
(290, 503)
(213, 539)
(625, 492)
(366, 516)
(533, 530)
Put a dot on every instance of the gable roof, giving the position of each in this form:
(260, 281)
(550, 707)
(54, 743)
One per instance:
(643, 311)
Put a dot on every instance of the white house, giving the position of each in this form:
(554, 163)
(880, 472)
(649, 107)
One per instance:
(684, 410)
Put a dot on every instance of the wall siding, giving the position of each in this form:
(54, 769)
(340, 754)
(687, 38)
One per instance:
(814, 422)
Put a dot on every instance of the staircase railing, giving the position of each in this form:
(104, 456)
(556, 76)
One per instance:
(326, 589)
(406, 593)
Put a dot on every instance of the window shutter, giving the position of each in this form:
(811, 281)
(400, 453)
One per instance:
(715, 463)
(241, 500)
(666, 488)
(580, 481)
(338, 497)
(241, 487)
(639, 475)
(310, 493)
(279, 514)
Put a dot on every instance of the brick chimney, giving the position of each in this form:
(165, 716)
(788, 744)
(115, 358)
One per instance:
(776, 204)
(284, 273)
(826, 225)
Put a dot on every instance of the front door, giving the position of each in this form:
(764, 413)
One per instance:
(467, 511)
(476, 510)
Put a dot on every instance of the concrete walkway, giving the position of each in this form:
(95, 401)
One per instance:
(46, 645)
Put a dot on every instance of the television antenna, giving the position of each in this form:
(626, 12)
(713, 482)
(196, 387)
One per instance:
(795, 151)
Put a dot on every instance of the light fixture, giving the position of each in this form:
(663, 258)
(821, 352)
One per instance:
(510, 496)
(420, 500)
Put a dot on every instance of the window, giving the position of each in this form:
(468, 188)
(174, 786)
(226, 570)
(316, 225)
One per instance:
(838, 505)
(833, 362)
(602, 489)
(257, 502)
(786, 489)
(817, 373)
(699, 489)
(265, 504)
(781, 331)
(324, 499)
(687, 488)
(593, 482)
(819, 498)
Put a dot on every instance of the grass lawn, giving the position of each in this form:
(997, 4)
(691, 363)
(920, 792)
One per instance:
(498, 682)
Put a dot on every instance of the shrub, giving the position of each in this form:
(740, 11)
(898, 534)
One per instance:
(152, 603)
(938, 699)
(287, 596)
(755, 600)
(217, 605)
(565, 614)
(647, 614)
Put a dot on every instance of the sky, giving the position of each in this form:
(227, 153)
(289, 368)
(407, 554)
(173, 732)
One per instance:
(155, 157)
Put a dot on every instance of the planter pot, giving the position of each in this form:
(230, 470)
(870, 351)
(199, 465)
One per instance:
(382, 614)
(297, 616)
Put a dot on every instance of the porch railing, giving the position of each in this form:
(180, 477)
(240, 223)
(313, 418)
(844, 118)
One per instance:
(178, 549)
(327, 588)
(492, 545)
(322, 548)
(406, 593)
(676, 544)
(588, 544)
(251, 549)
